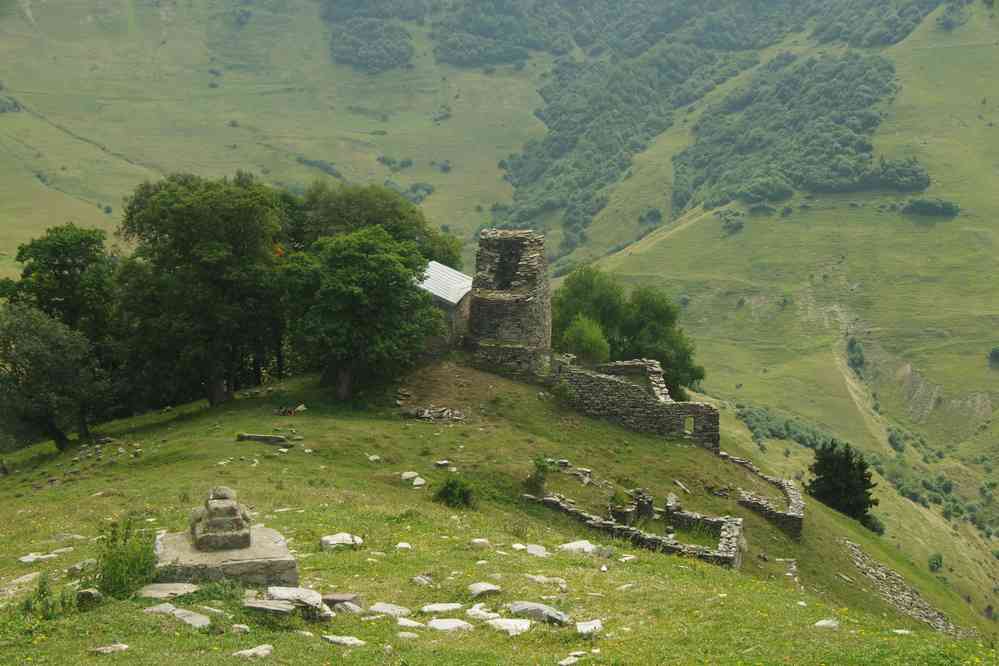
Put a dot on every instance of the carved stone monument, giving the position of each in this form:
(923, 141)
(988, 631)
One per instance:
(221, 543)
(222, 524)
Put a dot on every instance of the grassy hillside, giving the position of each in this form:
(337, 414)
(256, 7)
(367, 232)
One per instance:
(772, 306)
(118, 92)
(678, 611)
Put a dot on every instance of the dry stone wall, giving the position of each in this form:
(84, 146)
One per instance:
(789, 520)
(728, 553)
(636, 407)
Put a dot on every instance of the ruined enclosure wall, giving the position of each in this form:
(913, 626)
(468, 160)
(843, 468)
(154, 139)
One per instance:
(790, 520)
(636, 407)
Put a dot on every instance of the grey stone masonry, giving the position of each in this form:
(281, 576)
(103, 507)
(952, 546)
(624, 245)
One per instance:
(729, 530)
(222, 524)
(643, 408)
(790, 520)
(510, 294)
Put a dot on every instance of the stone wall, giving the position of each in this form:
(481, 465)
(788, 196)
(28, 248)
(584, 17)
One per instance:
(636, 407)
(728, 553)
(790, 520)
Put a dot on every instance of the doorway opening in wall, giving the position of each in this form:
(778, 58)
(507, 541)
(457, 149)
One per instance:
(688, 425)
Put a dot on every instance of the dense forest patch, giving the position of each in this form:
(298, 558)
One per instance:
(800, 124)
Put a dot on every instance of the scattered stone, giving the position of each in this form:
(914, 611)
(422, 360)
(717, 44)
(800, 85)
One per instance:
(580, 547)
(569, 661)
(481, 544)
(537, 551)
(17, 584)
(390, 609)
(81, 567)
(89, 598)
(481, 613)
(481, 589)
(166, 590)
(270, 606)
(346, 641)
(627, 558)
(374, 459)
(419, 482)
(196, 620)
(425, 581)
(545, 580)
(409, 476)
(539, 612)
(340, 540)
(442, 463)
(264, 439)
(332, 599)
(827, 624)
(901, 632)
(307, 634)
(240, 629)
(519, 547)
(348, 607)
(409, 624)
(590, 628)
(111, 649)
(510, 627)
(31, 558)
(407, 635)
(258, 652)
(449, 625)
(402, 545)
(437, 609)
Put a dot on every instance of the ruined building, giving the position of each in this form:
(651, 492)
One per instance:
(510, 332)
(510, 325)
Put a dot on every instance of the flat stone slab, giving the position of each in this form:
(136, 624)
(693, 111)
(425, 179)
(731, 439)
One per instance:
(166, 590)
(114, 648)
(341, 540)
(589, 628)
(258, 652)
(190, 618)
(436, 609)
(390, 609)
(510, 627)
(481, 612)
(579, 547)
(266, 562)
(264, 439)
(539, 612)
(346, 641)
(449, 625)
(270, 606)
(482, 589)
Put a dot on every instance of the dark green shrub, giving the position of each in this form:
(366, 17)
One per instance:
(936, 562)
(535, 483)
(855, 356)
(126, 560)
(873, 523)
(994, 357)
(457, 494)
(585, 339)
(932, 207)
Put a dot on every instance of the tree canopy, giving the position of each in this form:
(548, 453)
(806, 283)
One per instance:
(644, 324)
(842, 480)
(49, 380)
(357, 310)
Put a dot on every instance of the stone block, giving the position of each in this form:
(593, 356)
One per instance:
(267, 560)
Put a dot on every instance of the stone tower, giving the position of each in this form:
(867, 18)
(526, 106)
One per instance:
(510, 324)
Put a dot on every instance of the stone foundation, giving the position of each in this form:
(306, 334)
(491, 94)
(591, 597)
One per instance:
(728, 553)
(267, 561)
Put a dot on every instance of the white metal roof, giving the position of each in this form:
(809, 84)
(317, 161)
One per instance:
(446, 283)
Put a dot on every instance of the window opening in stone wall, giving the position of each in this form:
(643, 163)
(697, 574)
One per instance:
(688, 425)
(508, 263)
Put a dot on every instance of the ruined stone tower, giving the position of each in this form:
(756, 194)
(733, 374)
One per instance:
(510, 324)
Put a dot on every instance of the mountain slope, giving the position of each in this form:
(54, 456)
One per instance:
(677, 611)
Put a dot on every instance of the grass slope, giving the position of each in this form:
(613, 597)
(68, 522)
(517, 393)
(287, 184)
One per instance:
(771, 307)
(120, 91)
(679, 611)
